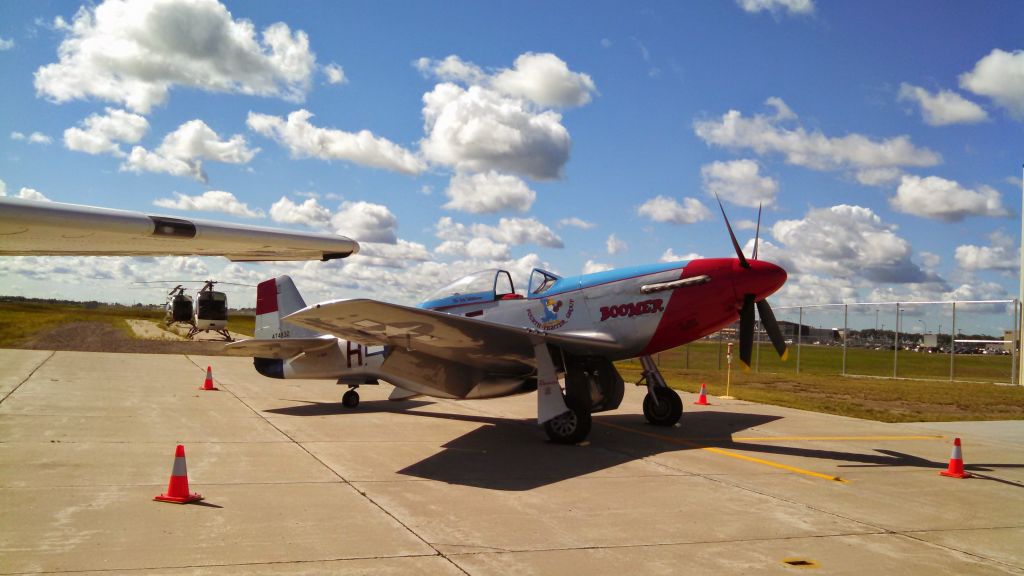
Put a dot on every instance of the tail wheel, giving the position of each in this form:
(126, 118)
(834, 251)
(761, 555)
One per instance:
(667, 411)
(571, 427)
(350, 399)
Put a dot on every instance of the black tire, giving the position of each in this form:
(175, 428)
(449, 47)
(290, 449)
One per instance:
(668, 410)
(571, 427)
(350, 399)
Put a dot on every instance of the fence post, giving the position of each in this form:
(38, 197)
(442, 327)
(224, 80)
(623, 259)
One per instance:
(896, 345)
(846, 332)
(720, 336)
(952, 344)
(1013, 344)
(757, 351)
(799, 337)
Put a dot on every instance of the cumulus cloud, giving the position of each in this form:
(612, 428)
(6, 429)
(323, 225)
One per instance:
(394, 255)
(944, 108)
(304, 140)
(6, 44)
(591, 267)
(942, 199)
(32, 194)
(929, 260)
(513, 231)
(132, 52)
(775, 6)
(366, 222)
(844, 241)
(183, 151)
(479, 248)
(771, 134)
(999, 76)
(488, 192)
(309, 213)
(1002, 254)
(543, 79)
(335, 74)
(211, 201)
(478, 130)
(665, 209)
(878, 176)
(33, 138)
(546, 80)
(3, 188)
(670, 256)
(616, 245)
(802, 289)
(452, 69)
(739, 182)
(101, 134)
(575, 222)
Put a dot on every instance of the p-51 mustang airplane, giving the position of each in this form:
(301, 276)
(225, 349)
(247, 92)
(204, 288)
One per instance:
(478, 338)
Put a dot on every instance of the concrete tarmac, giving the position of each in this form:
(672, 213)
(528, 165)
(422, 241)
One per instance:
(296, 484)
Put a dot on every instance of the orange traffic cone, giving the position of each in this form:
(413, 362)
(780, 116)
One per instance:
(703, 399)
(956, 463)
(177, 489)
(208, 383)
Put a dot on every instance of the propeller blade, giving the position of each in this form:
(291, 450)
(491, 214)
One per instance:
(771, 326)
(747, 329)
(757, 233)
(735, 244)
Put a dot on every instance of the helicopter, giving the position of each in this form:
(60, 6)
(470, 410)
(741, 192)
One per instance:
(207, 312)
(178, 307)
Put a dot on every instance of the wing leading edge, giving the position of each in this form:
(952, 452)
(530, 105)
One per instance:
(30, 228)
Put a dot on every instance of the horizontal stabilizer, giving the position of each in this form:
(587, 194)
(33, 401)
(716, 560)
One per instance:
(277, 348)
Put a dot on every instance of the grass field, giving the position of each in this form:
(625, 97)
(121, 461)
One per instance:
(820, 387)
(705, 355)
(20, 321)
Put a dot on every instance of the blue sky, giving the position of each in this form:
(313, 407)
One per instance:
(884, 138)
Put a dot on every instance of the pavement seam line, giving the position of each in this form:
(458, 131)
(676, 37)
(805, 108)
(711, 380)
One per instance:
(335, 473)
(27, 378)
(226, 565)
(908, 535)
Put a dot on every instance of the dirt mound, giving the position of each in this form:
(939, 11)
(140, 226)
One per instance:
(102, 337)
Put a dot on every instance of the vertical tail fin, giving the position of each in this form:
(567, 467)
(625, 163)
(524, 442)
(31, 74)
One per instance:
(275, 299)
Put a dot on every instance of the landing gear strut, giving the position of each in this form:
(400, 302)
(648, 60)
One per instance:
(662, 405)
(351, 398)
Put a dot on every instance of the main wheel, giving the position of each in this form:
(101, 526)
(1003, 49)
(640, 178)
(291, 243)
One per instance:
(668, 410)
(350, 399)
(571, 427)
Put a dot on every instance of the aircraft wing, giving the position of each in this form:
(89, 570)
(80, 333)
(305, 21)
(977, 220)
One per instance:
(31, 228)
(477, 343)
(280, 349)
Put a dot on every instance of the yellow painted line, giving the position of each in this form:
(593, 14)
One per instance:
(725, 453)
(826, 438)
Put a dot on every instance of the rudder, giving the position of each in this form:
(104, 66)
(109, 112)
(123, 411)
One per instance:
(276, 298)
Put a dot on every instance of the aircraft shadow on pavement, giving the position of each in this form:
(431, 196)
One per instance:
(310, 408)
(512, 454)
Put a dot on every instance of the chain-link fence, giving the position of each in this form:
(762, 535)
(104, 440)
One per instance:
(975, 340)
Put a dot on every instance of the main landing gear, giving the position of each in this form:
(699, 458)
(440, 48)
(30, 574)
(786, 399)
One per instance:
(570, 427)
(662, 405)
(351, 398)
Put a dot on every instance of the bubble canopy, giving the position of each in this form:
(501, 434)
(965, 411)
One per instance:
(483, 286)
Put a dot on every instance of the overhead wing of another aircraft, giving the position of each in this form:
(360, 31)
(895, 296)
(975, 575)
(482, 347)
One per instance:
(31, 228)
(477, 343)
